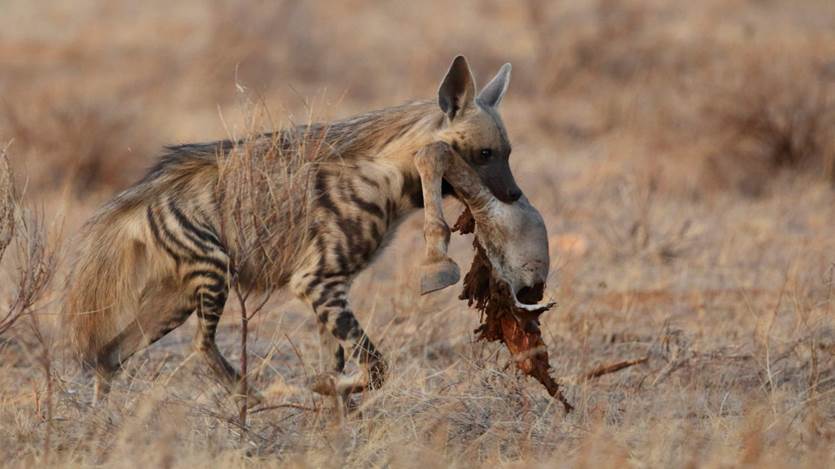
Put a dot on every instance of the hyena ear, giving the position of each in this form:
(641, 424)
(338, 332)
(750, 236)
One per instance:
(493, 93)
(457, 91)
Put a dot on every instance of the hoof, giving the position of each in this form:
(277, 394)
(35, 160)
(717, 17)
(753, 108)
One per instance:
(438, 276)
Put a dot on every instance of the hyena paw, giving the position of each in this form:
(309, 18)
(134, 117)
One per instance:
(338, 384)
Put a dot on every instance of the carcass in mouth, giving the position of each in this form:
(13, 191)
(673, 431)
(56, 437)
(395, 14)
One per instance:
(504, 318)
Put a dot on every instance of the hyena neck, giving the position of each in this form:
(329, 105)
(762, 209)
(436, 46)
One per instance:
(412, 126)
(382, 134)
(364, 195)
(384, 141)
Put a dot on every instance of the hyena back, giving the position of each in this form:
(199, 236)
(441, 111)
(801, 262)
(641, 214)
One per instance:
(166, 247)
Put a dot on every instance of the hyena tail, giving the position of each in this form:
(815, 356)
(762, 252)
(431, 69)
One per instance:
(105, 283)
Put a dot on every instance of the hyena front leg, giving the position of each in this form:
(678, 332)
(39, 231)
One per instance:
(336, 318)
(210, 293)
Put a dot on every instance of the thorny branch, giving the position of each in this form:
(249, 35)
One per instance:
(35, 258)
(36, 263)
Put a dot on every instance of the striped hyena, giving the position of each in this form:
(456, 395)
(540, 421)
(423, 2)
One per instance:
(170, 245)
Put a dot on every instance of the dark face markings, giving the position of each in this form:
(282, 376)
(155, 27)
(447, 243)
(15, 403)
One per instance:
(498, 178)
(491, 159)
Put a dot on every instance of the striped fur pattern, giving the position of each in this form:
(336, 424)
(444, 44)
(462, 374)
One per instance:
(170, 246)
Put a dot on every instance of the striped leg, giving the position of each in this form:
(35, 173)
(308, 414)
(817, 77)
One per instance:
(204, 268)
(335, 317)
(331, 353)
(210, 294)
(211, 298)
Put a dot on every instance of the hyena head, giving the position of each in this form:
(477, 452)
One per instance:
(474, 129)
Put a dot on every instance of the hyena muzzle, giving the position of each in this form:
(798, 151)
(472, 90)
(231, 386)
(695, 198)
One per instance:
(163, 249)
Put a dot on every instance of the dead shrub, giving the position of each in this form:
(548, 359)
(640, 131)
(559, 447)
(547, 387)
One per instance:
(772, 118)
(36, 256)
(606, 40)
(257, 42)
(264, 187)
(91, 146)
(7, 203)
(598, 62)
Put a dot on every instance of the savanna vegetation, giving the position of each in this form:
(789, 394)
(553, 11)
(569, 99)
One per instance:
(681, 153)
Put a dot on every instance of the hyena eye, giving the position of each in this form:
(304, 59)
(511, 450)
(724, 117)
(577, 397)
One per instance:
(485, 154)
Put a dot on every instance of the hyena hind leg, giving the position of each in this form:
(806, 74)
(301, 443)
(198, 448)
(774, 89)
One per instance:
(149, 326)
(331, 353)
(211, 295)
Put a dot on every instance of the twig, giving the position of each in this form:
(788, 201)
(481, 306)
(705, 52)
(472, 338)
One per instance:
(285, 406)
(602, 370)
(672, 366)
(614, 367)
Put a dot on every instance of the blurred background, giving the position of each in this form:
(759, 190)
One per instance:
(719, 95)
(682, 154)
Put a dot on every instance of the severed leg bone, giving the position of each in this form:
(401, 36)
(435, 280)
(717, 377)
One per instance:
(513, 235)
(438, 271)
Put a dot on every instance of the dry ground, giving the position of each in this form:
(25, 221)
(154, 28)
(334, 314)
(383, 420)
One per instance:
(680, 152)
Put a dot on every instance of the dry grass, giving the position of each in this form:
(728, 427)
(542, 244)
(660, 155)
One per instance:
(680, 152)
